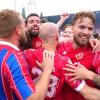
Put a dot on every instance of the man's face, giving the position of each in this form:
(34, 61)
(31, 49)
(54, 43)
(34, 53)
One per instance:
(68, 33)
(82, 30)
(33, 24)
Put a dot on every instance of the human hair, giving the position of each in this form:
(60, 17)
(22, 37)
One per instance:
(67, 26)
(9, 19)
(96, 35)
(32, 14)
(80, 15)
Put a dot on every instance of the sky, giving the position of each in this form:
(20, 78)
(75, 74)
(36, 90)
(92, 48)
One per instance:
(50, 7)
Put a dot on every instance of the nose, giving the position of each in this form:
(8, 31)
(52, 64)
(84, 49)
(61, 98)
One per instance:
(87, 31)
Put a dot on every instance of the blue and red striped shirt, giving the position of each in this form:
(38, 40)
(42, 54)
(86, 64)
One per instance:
(15, 80)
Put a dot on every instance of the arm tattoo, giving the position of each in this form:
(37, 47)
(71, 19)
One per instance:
(96, 80)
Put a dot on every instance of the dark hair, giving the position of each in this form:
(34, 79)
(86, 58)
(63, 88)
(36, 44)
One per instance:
(9, 19)
(32, 14)
(95, 35)
(66, 26)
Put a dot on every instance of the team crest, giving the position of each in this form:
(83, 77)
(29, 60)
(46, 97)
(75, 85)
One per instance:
(38, 44)
(79, 56)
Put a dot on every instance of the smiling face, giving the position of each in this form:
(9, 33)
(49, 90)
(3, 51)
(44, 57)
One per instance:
(33, 24)
(68, 33)
(82, 29)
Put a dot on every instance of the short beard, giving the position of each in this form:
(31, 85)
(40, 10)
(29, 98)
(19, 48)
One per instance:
(80, 44)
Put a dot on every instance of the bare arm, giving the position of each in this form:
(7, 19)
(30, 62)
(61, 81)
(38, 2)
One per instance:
(90, 93)
(42, 84)
(96, 79)
(63, 17)
(80, 72)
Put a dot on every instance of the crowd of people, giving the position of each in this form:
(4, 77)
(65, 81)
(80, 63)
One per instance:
(39, 62)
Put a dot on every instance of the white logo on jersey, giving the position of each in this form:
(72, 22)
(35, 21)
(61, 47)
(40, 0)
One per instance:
(79, 56)
(38, 44)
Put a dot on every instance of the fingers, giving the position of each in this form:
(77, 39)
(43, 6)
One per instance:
(48, 55)
(64, 16)
(91, 41)
(80, 65)
(95, 44)
(74, 78)
(70, 74)
(69, 70)
(96, 48)
(48, 60)
(71, 66)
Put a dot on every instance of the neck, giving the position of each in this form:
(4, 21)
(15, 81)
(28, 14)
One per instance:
(50, 48)
(75, 45)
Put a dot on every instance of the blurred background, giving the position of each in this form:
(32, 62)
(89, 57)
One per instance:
(51, 9)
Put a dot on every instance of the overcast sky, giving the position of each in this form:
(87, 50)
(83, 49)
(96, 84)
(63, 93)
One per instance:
(51, 7)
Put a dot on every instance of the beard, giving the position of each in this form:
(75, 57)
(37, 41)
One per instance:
(79, 42)
(22, 42)
(32, 34)
(25, 42)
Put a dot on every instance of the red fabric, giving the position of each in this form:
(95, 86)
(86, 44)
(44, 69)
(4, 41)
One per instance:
(83, 55)
(36, 43)
(57, 79)
(96, 62)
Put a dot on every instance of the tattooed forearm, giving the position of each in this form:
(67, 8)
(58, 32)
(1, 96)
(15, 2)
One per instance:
(96, 80)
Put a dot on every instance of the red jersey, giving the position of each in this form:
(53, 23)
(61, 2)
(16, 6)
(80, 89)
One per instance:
(14, 76)
(36, 43)
(96, 62)
(84, 55)
(57, 79)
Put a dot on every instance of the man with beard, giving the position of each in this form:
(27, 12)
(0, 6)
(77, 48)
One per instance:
(79, 50)
(32, 24)
(81, 72)
(15, 80)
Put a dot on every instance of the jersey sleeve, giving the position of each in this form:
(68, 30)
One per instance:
(18, 76)
(96, 62)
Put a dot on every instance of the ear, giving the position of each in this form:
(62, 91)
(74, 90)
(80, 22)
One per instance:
(18, 30)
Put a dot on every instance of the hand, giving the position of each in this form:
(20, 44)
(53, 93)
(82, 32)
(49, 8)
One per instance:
(48, 61)
(95, 44)
(64, 16)
(78, 72)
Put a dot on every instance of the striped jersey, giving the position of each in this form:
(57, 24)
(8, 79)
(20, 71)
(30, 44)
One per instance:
(15, 80)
